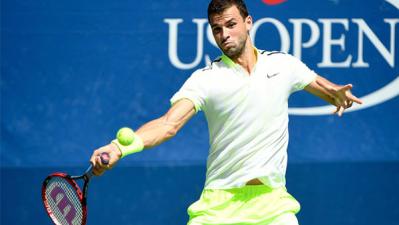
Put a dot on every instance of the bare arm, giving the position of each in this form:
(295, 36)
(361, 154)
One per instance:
(152, 133)
(337, 95)
(159, 130)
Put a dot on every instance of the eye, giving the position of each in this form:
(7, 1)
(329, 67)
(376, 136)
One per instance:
(231, 25)
(216, 30)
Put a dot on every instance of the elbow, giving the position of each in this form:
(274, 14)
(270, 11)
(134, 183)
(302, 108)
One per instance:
(170, 128)
(171, 132)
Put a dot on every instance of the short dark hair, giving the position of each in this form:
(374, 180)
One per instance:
(218, 7)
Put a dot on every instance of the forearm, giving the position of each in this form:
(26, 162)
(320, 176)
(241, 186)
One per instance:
(324, 82)
(315, 89)
(338, 95)
(156, 132)
(149, 135)
(162, 129)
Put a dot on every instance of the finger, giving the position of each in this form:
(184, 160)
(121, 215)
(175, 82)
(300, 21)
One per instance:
(98, 172)
(344, 104)
(355, 99)
(95, 171)
(341, 111)
(106, 164)
(100, 163)
(93, 158)
(336, 110)
(349, 103)
(346, 87)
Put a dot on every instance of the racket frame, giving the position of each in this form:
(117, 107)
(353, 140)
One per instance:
(71, 180)
(104, 156)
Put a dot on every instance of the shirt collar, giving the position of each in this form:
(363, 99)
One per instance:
(230, 63)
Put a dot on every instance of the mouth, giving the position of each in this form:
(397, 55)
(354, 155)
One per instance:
(227, 43)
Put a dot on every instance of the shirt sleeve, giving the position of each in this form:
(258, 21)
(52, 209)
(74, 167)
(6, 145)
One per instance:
(301, 75)
(193, 89)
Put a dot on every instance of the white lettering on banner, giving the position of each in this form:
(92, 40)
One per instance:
(298, 44)
(328, 26)
(389, 56)
(328, 41)
(172, 50)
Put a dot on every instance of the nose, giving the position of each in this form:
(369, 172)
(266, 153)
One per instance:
(225, 35)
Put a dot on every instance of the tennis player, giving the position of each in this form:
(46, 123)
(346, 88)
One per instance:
(244, 95)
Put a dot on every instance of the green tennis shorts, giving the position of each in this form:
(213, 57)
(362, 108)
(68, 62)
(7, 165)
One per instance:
(248, 205)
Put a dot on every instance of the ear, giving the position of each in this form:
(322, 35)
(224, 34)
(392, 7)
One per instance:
(248, 23)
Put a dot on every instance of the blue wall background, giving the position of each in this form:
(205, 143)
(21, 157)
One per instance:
(73, 72)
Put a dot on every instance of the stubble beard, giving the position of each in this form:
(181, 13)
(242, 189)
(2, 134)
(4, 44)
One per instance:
(235, 52)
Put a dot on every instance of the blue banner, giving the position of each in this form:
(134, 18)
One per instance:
(73, 72)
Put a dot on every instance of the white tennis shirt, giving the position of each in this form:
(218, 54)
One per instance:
(247, 116)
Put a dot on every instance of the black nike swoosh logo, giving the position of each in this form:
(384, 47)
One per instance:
(272, 75)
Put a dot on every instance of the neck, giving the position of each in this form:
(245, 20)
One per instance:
(247, 58)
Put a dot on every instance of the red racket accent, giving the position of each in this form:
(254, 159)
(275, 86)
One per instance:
(60, 202)
(63, 199)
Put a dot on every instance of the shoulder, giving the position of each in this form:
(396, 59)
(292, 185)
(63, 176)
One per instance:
(209, 70)
(214, 65)
(278, 56)
(205, 73)
(273, 54)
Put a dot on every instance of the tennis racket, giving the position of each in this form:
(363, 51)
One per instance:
(63, 199)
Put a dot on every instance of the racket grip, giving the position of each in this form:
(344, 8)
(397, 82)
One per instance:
(104, 156)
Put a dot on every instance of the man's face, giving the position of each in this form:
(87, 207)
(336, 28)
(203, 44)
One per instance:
(230, 31)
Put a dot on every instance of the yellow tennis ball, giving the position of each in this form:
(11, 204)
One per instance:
(125, 136)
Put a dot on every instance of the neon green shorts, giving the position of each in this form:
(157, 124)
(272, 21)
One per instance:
(248, 205)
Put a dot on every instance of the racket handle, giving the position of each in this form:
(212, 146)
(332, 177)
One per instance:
(104, 156)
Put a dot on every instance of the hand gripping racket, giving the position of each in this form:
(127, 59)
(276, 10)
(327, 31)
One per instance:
(63, 199)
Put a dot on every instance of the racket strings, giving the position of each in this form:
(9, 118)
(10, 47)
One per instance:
(64, 202)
